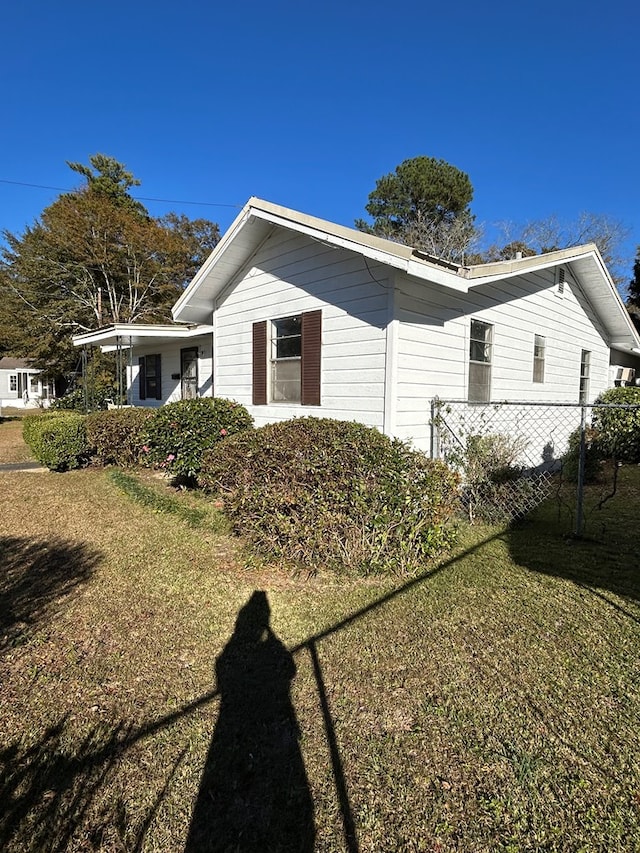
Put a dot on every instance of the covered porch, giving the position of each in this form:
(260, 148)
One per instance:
(156, 364)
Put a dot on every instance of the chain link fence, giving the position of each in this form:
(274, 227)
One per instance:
(514, 456)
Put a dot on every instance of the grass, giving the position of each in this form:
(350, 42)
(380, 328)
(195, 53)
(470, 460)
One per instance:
(491, 704)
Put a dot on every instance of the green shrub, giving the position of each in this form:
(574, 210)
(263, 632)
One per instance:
(118, 435)
(320, 492)
(58, 440)
(179, 433)
(32, 425)
(78, 400)
(494, 488)
(593, 457)
(619, 429)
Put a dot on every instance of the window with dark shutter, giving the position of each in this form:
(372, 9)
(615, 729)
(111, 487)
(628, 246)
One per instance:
(287, 360)
(142, 379)
(260, 363)
(311, 350)
(150, 377)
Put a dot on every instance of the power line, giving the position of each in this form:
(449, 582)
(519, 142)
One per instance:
(136, 197)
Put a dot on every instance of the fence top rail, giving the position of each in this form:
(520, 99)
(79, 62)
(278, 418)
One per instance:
(547, 404)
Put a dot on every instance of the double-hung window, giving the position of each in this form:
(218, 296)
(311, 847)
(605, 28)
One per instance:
(585, 364)
(539, 344)
(13, 383)
(480, 357)
(286, 360)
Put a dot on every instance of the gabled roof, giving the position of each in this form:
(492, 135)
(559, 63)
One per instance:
(259, 218)
(7, 362)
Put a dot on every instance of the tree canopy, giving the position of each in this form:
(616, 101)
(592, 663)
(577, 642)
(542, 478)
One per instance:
(94, 257)
(634, 284)
(423, 203)
(540, 236)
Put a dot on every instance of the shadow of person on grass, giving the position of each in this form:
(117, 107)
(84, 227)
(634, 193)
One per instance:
(254, 793)
(35, 578)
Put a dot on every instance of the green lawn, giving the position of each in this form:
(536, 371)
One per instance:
(491, 704)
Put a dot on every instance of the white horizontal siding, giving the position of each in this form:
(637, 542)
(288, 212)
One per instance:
(170, 365)
(292, 274)
(433, 344)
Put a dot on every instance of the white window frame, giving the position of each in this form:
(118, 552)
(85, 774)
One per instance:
(275, 361)
(484, 364)
(539, 354)
(585, 371)
(13, 383)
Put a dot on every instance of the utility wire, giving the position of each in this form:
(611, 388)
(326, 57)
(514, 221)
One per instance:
(136, 197)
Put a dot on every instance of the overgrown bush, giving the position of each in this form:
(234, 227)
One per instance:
(179, 433)
(318, 492)
(619, 429)
(58, 440)
(118, 435)
(494, 487)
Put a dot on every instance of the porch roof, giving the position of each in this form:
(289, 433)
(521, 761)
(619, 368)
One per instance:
(128, 335)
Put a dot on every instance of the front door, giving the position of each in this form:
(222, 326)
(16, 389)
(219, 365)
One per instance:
(189, 373)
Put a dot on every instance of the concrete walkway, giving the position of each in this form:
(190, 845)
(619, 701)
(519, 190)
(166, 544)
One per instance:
(22, 466)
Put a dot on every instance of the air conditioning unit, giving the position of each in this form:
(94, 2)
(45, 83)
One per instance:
(622, 376)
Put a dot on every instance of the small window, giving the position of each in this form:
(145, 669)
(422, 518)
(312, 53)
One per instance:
(538, 358)
(585, 363)
(480, 357)
(13, 383)
(286, 358)
(33, 383)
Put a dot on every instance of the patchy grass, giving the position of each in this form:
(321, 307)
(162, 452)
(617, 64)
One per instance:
(12, 447)
(489, 705)
(199, 513)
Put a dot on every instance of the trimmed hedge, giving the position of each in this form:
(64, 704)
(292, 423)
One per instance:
(179, 433)
(118, 435)
(320, 492)
(618, 430)
(58, 440)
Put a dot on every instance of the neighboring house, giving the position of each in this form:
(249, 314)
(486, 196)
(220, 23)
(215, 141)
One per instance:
(22, 385)
(292, 315)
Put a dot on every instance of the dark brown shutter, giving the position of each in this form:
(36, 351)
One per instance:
(311, 346)
(158, 377)
(260, 363)
(142, 379)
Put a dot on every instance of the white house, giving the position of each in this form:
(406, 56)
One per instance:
(293, 315)
(22, 385)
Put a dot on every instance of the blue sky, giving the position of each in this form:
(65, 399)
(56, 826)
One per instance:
(306, 105)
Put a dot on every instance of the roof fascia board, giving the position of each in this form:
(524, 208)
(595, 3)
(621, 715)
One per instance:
(588, 252)
(414, 268)
(335, 240)
(141, 331)
(506, 269)
(236, 226)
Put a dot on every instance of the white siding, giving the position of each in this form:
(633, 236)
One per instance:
(291, 274)
(433, 344)
(170, 366)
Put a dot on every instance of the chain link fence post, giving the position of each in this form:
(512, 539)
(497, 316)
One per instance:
(581, 473)
(435, 429)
